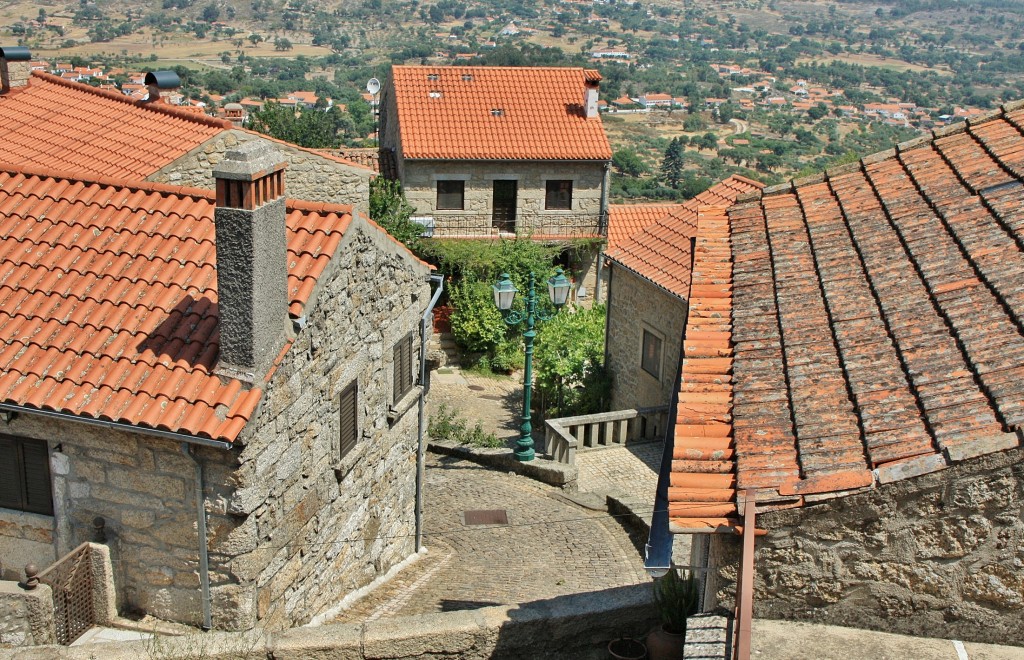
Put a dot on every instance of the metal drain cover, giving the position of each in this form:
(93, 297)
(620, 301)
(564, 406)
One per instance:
(485, 517)
(478, 388)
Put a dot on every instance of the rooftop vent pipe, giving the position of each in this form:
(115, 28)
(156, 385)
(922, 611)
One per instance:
(158, 80)
(15, 67)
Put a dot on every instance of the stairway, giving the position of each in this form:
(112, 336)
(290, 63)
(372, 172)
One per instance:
(442, 346)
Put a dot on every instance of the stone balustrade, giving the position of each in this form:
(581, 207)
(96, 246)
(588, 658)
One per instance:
(564, 436)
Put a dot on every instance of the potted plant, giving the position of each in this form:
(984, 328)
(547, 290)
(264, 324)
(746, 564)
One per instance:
(677, 599)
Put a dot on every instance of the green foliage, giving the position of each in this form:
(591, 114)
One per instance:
(477, 324)
(508, 356)
(568, 363)
(677, 599)
(629, 163)
(390, 209)
(448, 424)
(311, 127)
(672, 164)
(486, 260)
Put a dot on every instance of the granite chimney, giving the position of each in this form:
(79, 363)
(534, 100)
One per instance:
(15, 67)
(252, 260)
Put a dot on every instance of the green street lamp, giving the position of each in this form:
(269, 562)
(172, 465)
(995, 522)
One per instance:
(504, 293)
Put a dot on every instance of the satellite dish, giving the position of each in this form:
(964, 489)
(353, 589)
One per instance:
(373, 86)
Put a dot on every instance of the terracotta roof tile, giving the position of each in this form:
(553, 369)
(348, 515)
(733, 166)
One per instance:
(660, 251)
(68, 126)
(877, 320)
(496, 113)
(109, 299)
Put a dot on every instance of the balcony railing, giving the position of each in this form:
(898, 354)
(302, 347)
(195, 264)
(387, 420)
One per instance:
(525, 225)
(564, 436)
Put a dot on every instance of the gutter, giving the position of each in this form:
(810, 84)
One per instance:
(420, 467)
(116, 426)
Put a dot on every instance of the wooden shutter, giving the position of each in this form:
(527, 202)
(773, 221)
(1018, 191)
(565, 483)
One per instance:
(403, 367)
(349, 426)
(10, 474)
(25, 475)
(38, 493)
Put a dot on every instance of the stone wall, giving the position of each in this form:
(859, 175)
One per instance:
(419, 181)
(634, 305)
(25, 538)
(310, 176)
(291, 527)
(941, 555)
(26, 617)
(576, 627)
(304, 527)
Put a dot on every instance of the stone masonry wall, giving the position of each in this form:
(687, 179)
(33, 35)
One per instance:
(419, 181)
(941, 555)
(25, 538)
(633, 306)
(143, 488)
(304, 528)
(26, 617)
(309, 176)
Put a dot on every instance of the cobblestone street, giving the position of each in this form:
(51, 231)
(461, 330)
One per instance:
(550, 547)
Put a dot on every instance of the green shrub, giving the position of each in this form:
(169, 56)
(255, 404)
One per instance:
(677, 599)
(448, 424)
(569, 363)
(508, 356)
(477, 324)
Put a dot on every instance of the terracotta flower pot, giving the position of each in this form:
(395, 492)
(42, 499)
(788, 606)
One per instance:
(625, 648)
(665, 645)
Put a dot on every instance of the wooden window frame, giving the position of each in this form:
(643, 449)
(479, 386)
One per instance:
(651, 343)
(25, 481)
(348, 426)
(558, 195)
(447, 189)
(403, 363)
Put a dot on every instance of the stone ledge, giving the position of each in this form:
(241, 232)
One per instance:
(541, 469)
(573, 626)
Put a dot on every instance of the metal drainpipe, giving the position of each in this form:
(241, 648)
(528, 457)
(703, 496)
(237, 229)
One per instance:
(420, 467)
(204, 559)
(602, 228)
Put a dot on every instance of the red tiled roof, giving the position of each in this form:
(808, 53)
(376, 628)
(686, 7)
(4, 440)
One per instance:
(877, 324)
(660, 252)
(627, 220)
(57, 124)
(108, 299)
(496, 113)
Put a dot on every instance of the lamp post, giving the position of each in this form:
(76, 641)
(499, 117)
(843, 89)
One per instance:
(504, 293)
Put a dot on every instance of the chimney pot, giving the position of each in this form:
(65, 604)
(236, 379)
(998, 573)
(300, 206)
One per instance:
(15, 67)
(252, 259)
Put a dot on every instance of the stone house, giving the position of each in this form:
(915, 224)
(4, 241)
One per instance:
(489, 152)
(167, 349)
(858, 373)
(648, 283)
(107, 134)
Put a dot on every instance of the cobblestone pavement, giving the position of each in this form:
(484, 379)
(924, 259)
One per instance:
(551, 547)
(632, 469)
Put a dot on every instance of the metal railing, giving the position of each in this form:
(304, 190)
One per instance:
(564, 436)
(481, 225)
(71, 582)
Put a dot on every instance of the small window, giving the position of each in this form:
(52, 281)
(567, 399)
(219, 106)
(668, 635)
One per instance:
(497, 112)
(433, 77)
(451, 195)
(25, 475)
(559, 195)
(650, 361)
(403, 367)
(349, 419)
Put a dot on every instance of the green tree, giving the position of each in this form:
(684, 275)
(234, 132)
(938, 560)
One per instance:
(210, 13)
(477, 325)
(390, 209)
(708, 141)
(694, 123)
(569, 363)
(672, 164)
(282, 44)
(254, 38)
(627, 162)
